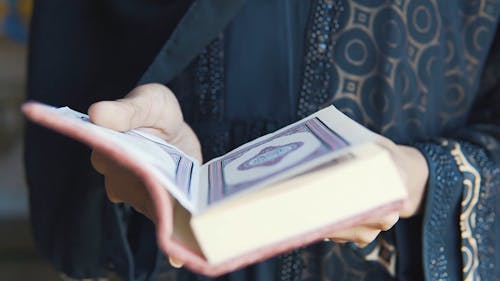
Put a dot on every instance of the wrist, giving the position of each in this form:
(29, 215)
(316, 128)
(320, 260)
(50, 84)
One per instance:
(416, 172)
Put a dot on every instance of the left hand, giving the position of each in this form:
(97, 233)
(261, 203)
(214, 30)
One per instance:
(414, 172)
(154, 108)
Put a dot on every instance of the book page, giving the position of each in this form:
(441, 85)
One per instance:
(276, 154)
(294, 149)
(178, 172)
(185, 169)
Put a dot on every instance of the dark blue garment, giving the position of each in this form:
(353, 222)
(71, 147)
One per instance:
(415, 71)
(82, 52)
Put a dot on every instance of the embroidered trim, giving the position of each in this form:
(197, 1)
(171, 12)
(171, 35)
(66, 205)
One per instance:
(210, 81)
(316, 80)
(290, 266)
(447, 177)
(461, 164)
(483, 231)
(209, 78)
(471, 184)
(314, 92)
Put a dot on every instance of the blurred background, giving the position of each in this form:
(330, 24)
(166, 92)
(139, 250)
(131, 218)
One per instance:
(19, 259)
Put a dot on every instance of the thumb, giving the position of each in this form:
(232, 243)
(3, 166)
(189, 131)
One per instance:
(150, 105)
(175, 262)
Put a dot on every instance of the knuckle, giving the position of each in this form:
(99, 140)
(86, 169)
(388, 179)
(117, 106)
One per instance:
(96, 161)
(385, 226)
(389, 222)
(408, 209)
(155, 92)
(366, 237)
(338, 240)
(114, 199)
(149, 89)
(156, 106)
(112, 195)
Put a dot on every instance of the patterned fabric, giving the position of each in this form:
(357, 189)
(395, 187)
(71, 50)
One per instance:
(320, 75)
(209, 73)
(462, 173)
(391, 57)
(333, 261)
(408, 70)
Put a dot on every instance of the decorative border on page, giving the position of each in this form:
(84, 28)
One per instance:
(270, 155)
(184, 166)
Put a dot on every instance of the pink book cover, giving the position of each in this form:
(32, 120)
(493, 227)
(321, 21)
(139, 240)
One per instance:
(194, 260)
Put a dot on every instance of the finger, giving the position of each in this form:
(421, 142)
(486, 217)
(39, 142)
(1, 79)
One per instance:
(120, 184)
(123, 186)
(151, 105)
(358, 234)
(416, 174)
(338, 240)
(385, 223)
(343, 241)
(100, 162)
(109, 186)
(175, 262)
(395, 152)
(133, 193)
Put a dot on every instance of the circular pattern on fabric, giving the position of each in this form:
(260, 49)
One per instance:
(343, 14)
(471, 7)
(350, 108)
(422, 22)
(451, 55)
(355, 52)
(430, 65)
(390, 33)
(413, 127)
(370, 3)
(391, 132)
(454, 97)
(332, 85)
(377, 98)
(477, 36)
(405, 81)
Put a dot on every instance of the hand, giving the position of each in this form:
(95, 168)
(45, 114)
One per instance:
(151, 107)
(414, 172)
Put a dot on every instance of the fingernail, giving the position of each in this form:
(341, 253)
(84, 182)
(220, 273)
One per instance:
(175, 263)
(361, 245)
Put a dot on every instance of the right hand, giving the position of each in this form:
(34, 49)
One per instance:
(151, 107)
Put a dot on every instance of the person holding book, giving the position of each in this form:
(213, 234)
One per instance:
(422, 74)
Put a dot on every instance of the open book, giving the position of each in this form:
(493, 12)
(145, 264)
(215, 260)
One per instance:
(284, 190)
